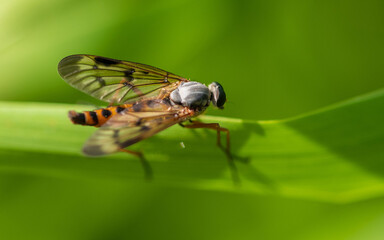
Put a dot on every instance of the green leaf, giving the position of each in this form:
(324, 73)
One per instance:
(335, 154)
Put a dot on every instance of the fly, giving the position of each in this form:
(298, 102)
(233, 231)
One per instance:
(143, 100)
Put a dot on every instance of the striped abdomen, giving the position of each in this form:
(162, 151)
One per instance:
(100, 116)
(96, 117)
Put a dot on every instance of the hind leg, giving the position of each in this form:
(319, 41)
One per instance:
(226, 149)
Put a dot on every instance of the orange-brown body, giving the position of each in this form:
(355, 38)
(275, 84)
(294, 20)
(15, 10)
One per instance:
(96, 117)
(100, 116)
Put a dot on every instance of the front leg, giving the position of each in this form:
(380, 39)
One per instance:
(214, 126)
(219, 129)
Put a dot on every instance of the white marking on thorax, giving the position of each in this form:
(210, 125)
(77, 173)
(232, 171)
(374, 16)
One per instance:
(191, 94)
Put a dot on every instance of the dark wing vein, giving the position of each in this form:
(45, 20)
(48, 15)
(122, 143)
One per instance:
(126, 129)
(98, 77)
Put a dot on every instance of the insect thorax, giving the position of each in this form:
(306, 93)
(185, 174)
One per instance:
(191, 94)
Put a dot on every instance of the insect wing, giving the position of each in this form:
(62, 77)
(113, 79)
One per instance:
(128, 128)
(116, 81)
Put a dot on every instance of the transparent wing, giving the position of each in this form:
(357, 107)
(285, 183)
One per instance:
(116, 81)
(128, 128)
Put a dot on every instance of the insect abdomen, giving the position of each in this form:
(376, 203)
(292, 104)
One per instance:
(94, 118)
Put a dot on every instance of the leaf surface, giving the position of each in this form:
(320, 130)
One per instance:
(334, 154)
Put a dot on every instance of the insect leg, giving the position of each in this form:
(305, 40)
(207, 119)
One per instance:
(214, 126)
(146, 166)
(183, 125)
(219, 129)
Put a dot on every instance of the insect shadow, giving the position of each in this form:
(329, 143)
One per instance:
(239, 136)
(248, 129)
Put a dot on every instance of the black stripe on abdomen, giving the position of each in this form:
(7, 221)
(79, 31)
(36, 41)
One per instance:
(94, 117)
(106, 113)
(77, 118)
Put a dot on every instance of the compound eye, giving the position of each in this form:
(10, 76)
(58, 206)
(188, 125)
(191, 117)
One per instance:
(218, 96)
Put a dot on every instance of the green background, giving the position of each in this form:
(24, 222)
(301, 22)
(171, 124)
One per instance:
(275, 59)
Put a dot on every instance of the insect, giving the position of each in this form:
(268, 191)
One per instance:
(143, 100)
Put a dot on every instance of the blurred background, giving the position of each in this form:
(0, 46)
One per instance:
(275, 59)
